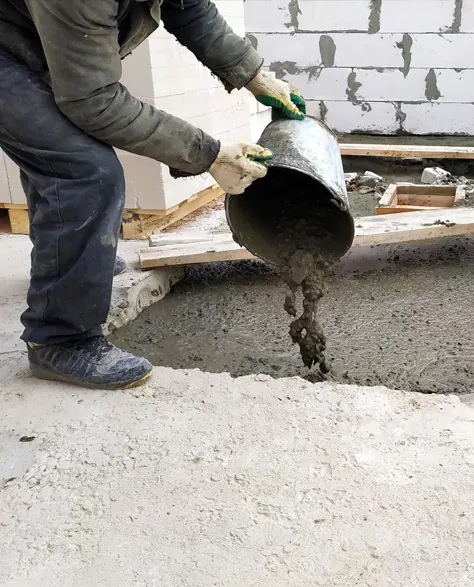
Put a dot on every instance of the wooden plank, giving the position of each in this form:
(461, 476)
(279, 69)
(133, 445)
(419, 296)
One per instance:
(186, 254)
(9, 205)
(406, 151)
(426, 201)
(414, 226)
(137, 224)
(402, 208)
(19, 221)
(187, 237)
(372, 230)
(191, 205)
(388, 197)
(425, 190)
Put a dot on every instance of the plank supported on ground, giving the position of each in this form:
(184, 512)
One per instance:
(19, 221)
(188, 249)
(406, 151)
(139, 224)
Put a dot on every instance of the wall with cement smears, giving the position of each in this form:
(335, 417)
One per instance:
(374, 66)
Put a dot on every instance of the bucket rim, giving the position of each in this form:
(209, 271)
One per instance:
(316, 176)
(346, 212)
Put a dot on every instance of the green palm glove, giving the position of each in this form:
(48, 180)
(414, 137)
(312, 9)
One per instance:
(278, 94)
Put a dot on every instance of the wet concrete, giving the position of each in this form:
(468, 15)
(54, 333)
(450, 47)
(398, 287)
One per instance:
(394, 316)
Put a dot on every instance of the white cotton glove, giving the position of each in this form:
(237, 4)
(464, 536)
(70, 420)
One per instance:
(278, 94)
(238, 165)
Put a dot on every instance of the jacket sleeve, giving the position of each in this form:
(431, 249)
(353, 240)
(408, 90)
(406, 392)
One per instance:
(80, 41)
(198, 26)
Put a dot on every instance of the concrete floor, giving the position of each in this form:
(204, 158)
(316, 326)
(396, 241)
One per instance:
(199, 479)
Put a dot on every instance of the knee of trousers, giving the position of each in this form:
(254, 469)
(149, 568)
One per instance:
(105, 168)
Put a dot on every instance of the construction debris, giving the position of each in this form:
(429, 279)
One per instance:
(366, 183)
(350, 177)
(433, 175)
(370, 179)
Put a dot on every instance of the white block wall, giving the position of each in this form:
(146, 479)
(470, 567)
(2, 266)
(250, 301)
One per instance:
(374, 66)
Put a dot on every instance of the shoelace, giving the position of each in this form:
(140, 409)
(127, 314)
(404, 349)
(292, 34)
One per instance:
(97, 347)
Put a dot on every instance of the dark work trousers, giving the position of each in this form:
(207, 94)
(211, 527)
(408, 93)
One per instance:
(75, 190)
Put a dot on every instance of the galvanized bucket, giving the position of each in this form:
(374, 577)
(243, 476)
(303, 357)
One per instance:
(301, 202)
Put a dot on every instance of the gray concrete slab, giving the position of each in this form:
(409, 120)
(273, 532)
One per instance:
(200, 479)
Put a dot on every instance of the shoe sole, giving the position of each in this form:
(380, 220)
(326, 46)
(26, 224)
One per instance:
(41, 373)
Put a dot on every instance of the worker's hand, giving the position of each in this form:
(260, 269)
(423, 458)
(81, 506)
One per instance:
(238, 165)
(278, 94)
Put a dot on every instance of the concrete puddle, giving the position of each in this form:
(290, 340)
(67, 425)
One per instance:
(395, 316)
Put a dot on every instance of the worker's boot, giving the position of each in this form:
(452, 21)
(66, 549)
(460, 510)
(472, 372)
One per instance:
(93, 363)
(120, 266)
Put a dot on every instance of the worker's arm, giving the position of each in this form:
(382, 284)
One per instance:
(198, 26)
(80, 41)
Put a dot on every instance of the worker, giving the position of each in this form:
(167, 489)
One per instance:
(62, 110)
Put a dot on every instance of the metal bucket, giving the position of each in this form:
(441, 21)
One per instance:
(302, 202)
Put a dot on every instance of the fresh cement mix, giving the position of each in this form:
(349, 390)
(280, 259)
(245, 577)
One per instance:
(294, 221)
(394, 316)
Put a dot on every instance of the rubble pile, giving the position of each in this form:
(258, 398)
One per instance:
(366, 183)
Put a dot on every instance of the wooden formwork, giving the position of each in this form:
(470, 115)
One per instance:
(408, 197)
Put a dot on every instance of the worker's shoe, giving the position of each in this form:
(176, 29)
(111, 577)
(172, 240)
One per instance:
(120, 266)
(93, 363)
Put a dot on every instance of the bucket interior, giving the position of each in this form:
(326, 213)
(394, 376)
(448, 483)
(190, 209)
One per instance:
(289, 210)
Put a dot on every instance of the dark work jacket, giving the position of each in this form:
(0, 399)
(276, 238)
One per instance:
(77, 45)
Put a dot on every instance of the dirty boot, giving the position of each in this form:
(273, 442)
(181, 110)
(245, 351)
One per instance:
(93, 363)
(120, 266)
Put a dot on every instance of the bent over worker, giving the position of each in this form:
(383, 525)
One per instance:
(62, 109)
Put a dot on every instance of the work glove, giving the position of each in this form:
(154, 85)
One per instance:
(278, 94)
(238, 165)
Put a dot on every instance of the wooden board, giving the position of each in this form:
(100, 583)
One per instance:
(19, 221)
(188, 249)
(408, 197)
(11, 206)
(139, 224)
(15, 219)
(406, 151)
